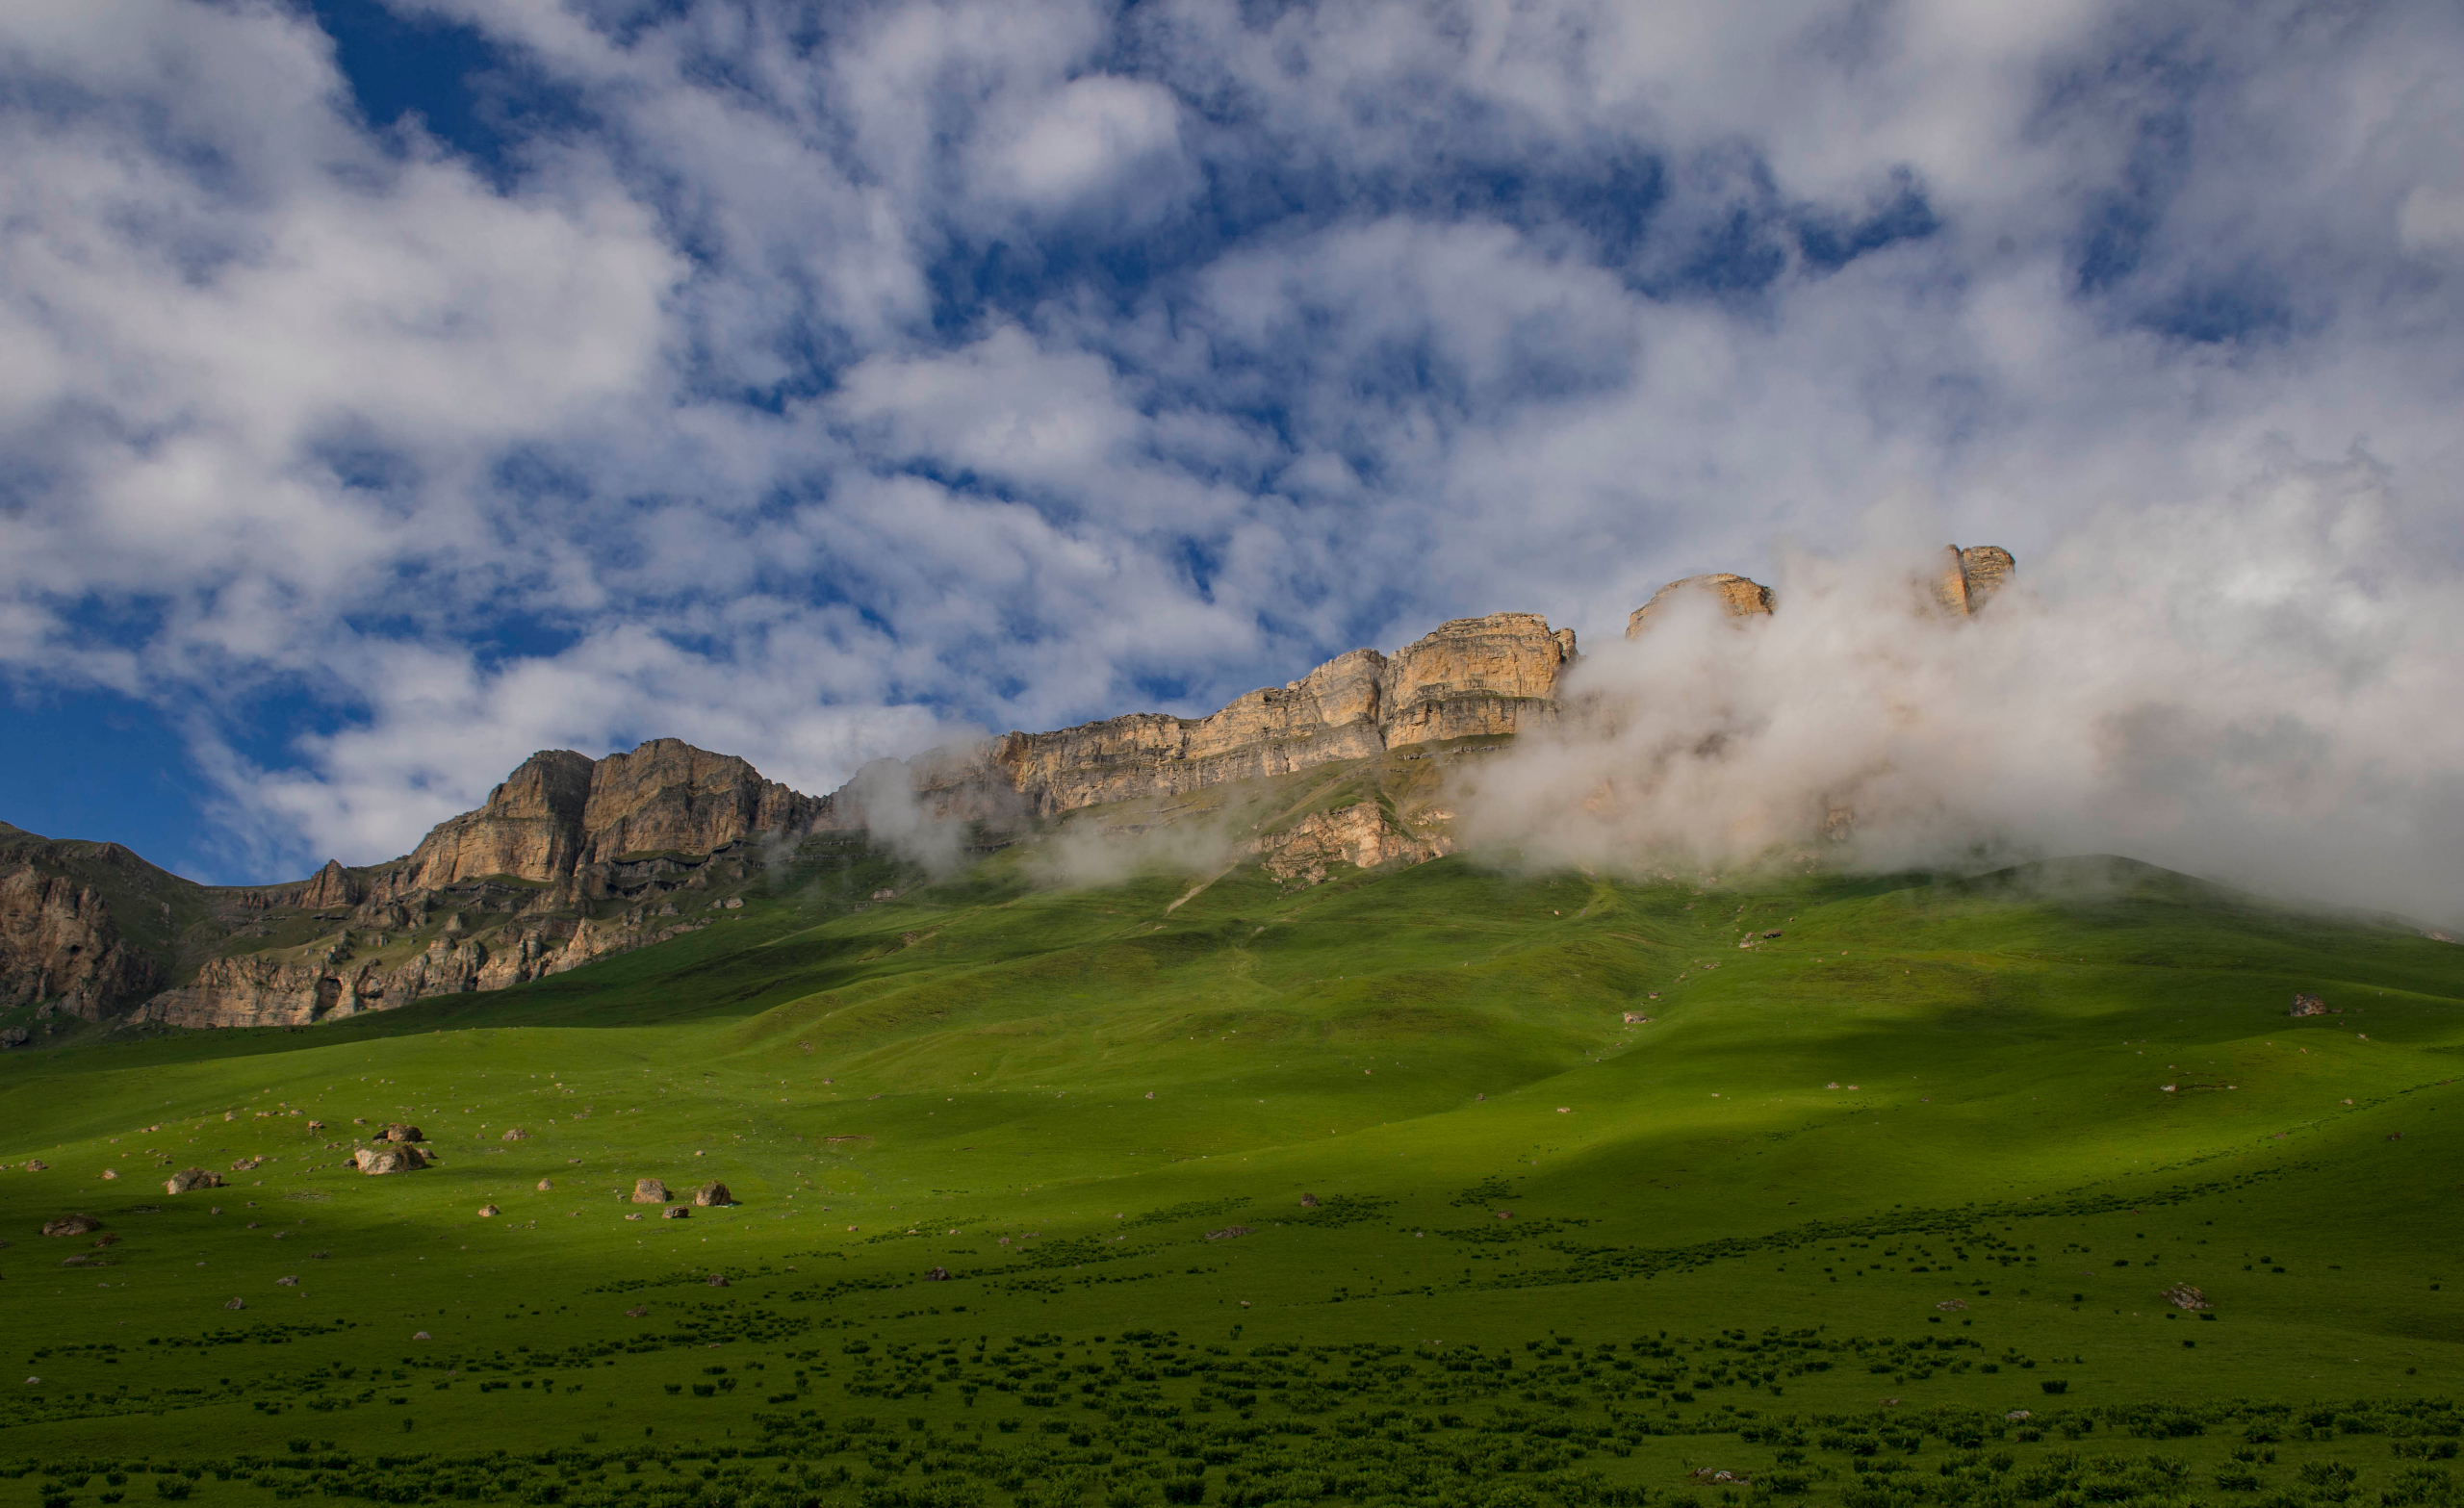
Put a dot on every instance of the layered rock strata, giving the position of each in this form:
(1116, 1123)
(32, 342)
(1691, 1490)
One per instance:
(1472, 678)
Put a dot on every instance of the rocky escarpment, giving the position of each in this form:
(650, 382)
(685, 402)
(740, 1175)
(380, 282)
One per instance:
(58, 942)
(573, 858)
(1472, 678)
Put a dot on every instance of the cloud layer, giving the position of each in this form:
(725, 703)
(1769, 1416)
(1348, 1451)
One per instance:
(816, 382)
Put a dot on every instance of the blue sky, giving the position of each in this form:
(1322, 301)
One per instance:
(400, 386)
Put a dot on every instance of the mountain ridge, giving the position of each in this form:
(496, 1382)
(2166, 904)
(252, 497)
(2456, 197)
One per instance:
(572, 858)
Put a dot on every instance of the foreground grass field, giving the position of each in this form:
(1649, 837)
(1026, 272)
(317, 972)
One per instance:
(1440, 1184)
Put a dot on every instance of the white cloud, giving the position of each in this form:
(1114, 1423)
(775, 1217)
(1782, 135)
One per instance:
(815, 387)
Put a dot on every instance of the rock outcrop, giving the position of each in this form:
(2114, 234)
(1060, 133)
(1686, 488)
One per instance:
(1736, 595)
(58, 942)
(1970, 578)
(1472, 678)
(562, 811)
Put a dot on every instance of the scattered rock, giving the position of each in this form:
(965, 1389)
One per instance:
(2181, 1295)
(376, 1162)
(1308, 1201)
(107, 1238)
(544, 1185)
(72, 1225)
(247, 1164)
(1952, 1303)
(37, 1165)
(2307, 1005)
(2016, 1414)
(1505, 1214)
(675, 1212)
(109, 1173)
(885, 895)
(1709, 1474)
(1637, 1018)
(718, 1280)
(16, 1036)
(633, 1216)
(712, 1194)
(188, 1180)
(650, 1191)
(2395, 1135)
(286, 1282)
(489, 1211)
(316, 1125)
(418, 1335)
(515, 1134)
(237, 1303)
(636, 1312)
(1228, 1233)
(397, 1132)
(936, 1275)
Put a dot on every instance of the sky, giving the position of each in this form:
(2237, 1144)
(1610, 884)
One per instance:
(394, 388)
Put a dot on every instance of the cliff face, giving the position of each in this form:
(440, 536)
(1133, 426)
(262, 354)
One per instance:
(561, 811)
(1970, 578)
(58, 942)
(1737, 595)
(1472, 678)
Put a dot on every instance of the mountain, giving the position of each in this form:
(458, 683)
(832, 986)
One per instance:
(573, 858)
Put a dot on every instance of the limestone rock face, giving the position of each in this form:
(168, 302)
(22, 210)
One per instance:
(1359, 835)
(529, 827)
(1970, 578)
(1472, 678)
(562, 810)
(1737, 597)
(58, 941)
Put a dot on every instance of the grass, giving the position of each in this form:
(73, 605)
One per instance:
(1878, 1208)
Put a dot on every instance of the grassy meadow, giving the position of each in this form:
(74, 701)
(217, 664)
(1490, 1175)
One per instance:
(1436, 1184)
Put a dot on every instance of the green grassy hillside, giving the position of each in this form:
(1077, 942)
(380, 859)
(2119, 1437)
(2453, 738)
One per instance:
(1168, 1193)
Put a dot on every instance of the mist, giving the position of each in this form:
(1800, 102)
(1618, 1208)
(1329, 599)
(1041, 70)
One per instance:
(2261, 689)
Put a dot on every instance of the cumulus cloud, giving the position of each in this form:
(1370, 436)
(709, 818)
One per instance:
(817, 386)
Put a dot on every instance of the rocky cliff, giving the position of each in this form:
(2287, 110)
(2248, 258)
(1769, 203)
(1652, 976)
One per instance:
(58, 943)
(1736, 596)
(1472, 678)
(573, 858)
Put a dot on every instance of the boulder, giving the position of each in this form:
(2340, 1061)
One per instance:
(489, 1211)
(16, 1036)
(636, 1312)
(650, 1191)
(712, 1193)
(544, 1185)
(1308, 1201)
(675, 1212)
(37, 1165)
(2181, 1295)
(286, 1282)
(72, 1225)
(937, 1275)
(237, 1303)
(109, 1173)
(717, 1280)
(397, 1132)
(418, 1335)
(188, 1180)
(2307, 1005)
(376, 1162)
(515, 1134)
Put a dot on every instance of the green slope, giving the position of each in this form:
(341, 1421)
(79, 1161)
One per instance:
(1911, 1142)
